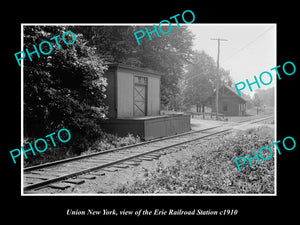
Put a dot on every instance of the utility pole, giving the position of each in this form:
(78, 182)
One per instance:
(217, 91)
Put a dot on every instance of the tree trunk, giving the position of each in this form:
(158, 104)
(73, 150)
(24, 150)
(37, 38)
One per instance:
(197, 107)
(203, 110)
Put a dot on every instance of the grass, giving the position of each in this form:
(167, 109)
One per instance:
(106, 141)
(212, 169)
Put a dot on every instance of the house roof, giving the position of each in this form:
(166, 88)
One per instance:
(243, 97)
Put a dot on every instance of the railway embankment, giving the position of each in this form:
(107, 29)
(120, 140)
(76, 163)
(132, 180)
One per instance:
(199, 167)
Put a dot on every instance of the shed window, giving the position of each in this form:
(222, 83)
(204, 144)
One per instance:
(140, 80)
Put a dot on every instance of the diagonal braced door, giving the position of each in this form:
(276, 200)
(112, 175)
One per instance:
(139, 101)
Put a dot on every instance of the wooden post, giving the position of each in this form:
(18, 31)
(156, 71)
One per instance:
(217, 91)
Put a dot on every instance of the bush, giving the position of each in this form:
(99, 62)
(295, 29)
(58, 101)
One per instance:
(64, 89)
(108, 141)
(104, 142)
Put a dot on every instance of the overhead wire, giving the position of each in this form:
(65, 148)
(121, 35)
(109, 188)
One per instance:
(249, 43)
(239, 50)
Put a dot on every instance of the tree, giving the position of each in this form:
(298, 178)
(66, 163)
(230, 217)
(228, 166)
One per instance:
(115, 44)
(257, 102)
(266, 95)
(199, 80)
(225, 77)
(64, 89)
(167, 53)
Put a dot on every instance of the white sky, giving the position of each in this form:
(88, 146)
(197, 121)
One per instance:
(250, 49)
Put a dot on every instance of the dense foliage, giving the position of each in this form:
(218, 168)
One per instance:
(200, 80)
(64, 89)
(167, 53)
(213, 170)
(264, 97)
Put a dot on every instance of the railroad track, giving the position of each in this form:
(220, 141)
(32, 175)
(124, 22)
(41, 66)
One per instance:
(48, 174)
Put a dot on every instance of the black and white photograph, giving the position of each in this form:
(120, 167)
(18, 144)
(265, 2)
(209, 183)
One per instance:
(132, 109)
(144, 113)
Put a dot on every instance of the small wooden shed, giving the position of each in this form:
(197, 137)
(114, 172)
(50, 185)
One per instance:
(132, 92)
(230, 103)
(133, 98)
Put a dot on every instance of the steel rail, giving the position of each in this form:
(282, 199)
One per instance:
(43, 183)
(52, 180)
(112, 150)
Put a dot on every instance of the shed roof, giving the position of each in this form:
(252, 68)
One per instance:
(138, 69)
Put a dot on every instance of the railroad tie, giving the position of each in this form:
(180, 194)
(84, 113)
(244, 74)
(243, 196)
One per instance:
(97, 173)
(122, 166)
(110, 169)
(59, 186)
(148, 158)
(132, 163)
(87, 177)
(154, 155)
(74, 181)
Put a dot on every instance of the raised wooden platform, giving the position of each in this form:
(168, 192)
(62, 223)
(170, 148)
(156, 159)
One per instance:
(149, 127)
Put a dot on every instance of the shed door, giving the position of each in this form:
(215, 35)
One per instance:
(139, 100)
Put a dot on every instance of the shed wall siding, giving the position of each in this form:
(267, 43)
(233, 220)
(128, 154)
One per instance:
(124, 94)
(120, 92)
(153, 103)
(232, 106)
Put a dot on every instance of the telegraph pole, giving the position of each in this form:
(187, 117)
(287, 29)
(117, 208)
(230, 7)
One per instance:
(217, 91)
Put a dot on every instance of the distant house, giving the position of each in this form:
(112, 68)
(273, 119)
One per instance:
(230, 103)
